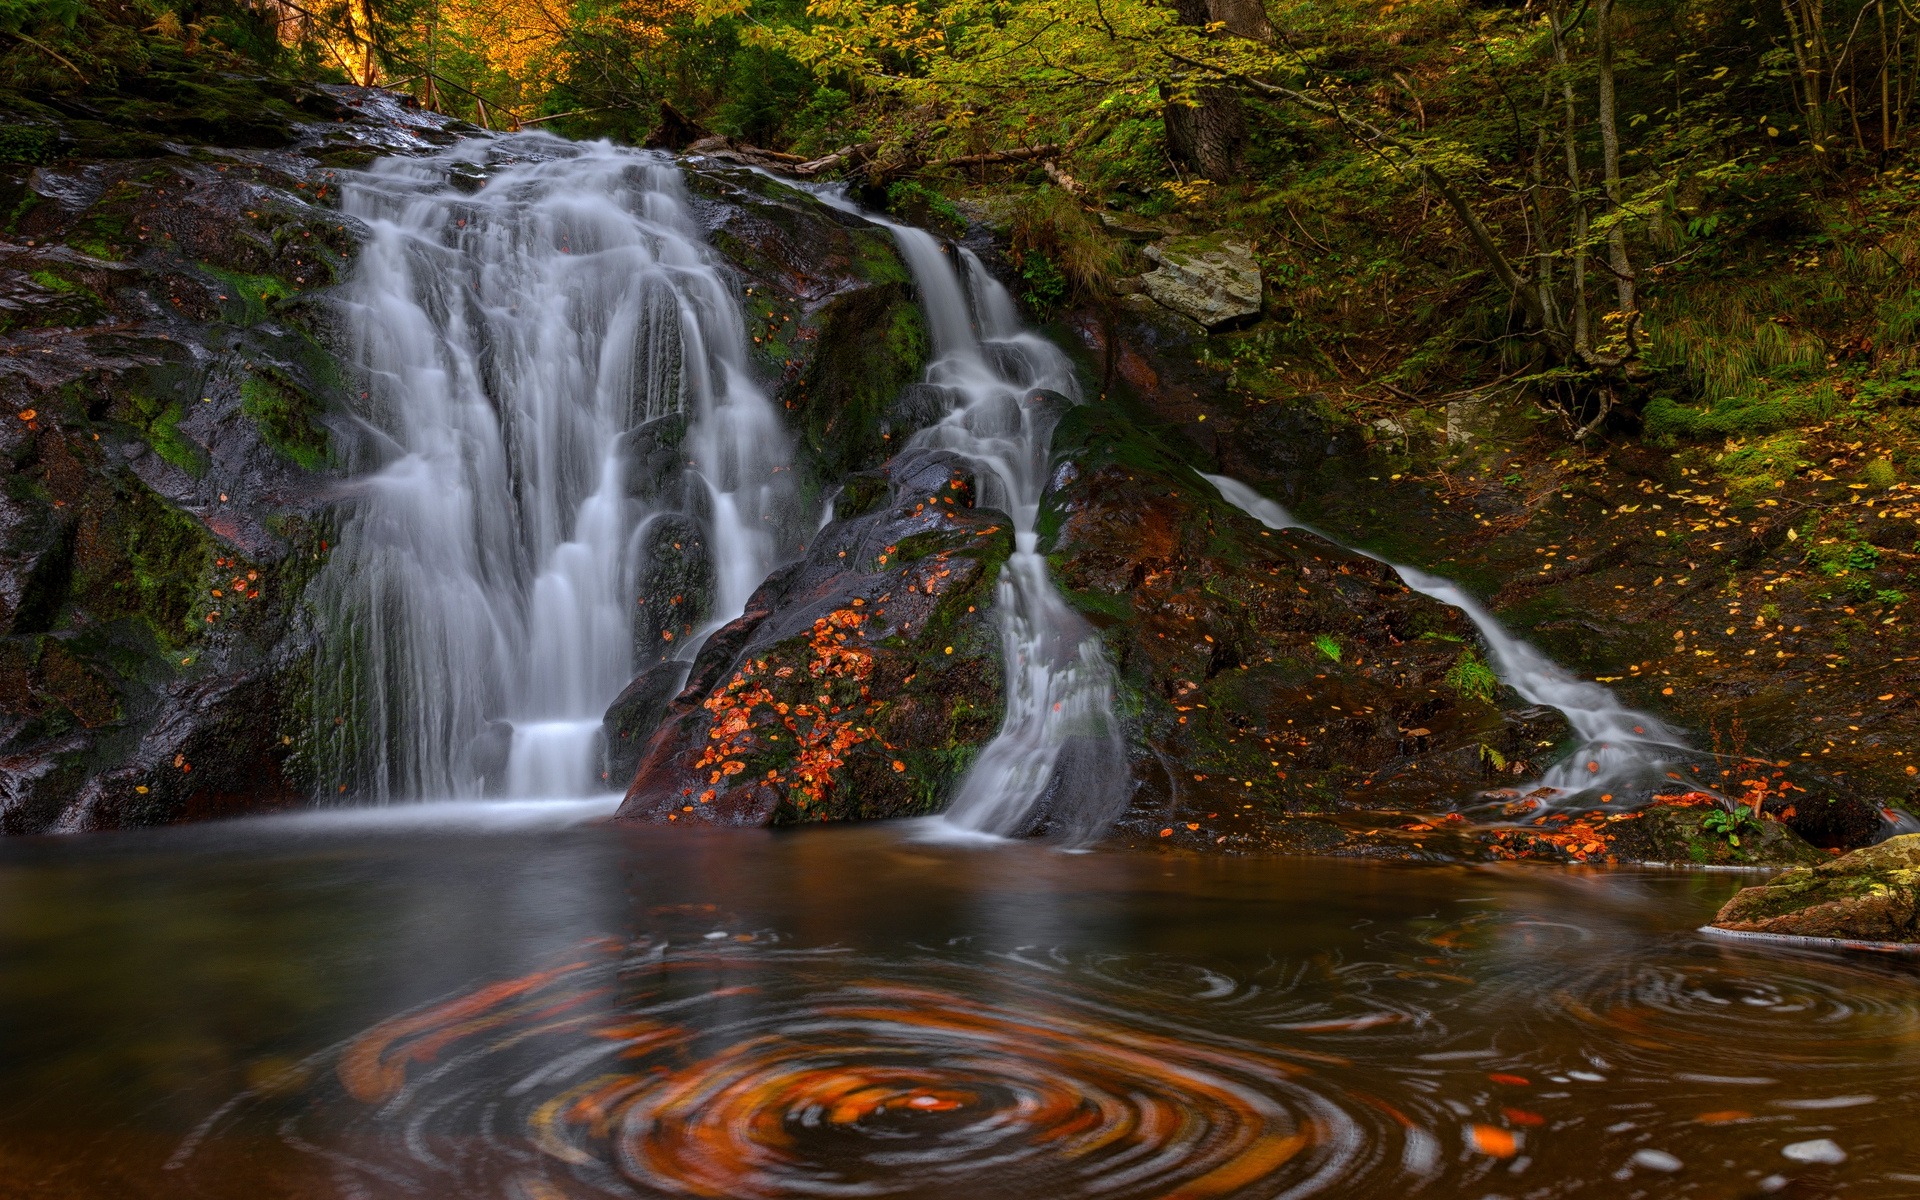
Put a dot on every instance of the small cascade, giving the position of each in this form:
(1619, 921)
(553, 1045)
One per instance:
(1619, 747)
(550, 366)
(1058, 761)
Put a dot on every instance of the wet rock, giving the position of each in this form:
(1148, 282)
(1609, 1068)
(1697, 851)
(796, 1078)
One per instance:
(167, 443)
(1869, 895)
(674, 589)
(831, 312)
(635, 714)
(1680, 830)
(860, 681)
(1263, 668)
(1469, 422)
(1213, 281)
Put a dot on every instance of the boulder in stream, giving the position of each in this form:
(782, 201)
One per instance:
(860, 681)
(1870, 895)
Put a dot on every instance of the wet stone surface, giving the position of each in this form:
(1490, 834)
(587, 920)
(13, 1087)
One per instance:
(167, 446)
(860, 681)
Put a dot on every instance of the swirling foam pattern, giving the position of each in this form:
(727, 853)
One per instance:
(752, 1071)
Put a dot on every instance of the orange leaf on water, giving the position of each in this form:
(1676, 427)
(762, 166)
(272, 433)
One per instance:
(1492, 1141)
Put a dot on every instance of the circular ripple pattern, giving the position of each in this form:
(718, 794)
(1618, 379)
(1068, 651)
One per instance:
(750, 1071)
(1742, 1014)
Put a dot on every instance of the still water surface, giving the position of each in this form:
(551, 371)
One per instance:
(287, 1009)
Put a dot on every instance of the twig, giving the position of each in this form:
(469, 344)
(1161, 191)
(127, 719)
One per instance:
(55, 55)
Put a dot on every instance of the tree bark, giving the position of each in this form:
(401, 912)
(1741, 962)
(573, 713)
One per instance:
(1610, 164)
(1582, 326)
(1209, 137)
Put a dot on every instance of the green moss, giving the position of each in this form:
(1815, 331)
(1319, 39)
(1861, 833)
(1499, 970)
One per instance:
(28, 144)
(285, 421)
(247, 299)
(877, 259)
(872, 343)
(1748, 414)
(913, 201)
(1756, 468)
(163, 434)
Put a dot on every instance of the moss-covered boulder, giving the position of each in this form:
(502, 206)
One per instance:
(1870, 895)
(1262, 668)
(167, 439)
(861, 680)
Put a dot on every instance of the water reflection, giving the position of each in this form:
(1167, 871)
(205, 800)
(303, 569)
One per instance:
(588, 1013)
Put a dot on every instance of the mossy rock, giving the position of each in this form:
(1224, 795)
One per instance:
(860, 682)
(1672, 833)
(1870, 895)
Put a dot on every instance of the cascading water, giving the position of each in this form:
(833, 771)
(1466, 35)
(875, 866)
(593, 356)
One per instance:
(1618, 746)
(1058, 760)
(532, 320)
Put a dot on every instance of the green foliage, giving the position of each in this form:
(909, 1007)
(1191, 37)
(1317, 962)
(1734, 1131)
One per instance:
(1326, 645)
(1843, 556)
(915, 201)
(1730, 825)
(1472, 679)
(1044, 287)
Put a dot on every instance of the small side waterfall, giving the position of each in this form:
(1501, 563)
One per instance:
(1058, 759)
(554, 380)
(1618, 745)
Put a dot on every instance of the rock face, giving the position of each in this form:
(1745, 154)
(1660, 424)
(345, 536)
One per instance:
(1260, 667)
(1209, 280)
(860, 681)
(1869, 895)
(166, 442)
(830, 310)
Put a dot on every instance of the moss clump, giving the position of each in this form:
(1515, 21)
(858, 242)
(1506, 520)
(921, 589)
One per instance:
(1472, 679)
(1748, 414)
(872, 344)
(913, 201)
(285, 421)
(28, 144)
(247, 299)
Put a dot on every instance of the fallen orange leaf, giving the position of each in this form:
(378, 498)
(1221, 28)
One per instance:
(1492, 1141)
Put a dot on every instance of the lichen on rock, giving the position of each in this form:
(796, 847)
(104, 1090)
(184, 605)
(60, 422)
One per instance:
(1214, 281)
(1870, 895)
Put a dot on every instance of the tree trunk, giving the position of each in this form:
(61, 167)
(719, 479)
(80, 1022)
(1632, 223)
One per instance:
(366, 68)
(1209, 137)
(1581, 325)
(1610, 154)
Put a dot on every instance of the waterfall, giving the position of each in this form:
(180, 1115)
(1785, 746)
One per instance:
(1617, 745)
(1058, 760)
(555, 402)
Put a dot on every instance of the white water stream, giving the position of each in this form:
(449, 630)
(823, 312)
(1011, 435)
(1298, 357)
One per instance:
(1618, 746)
(510, 341)
(1058, 759)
